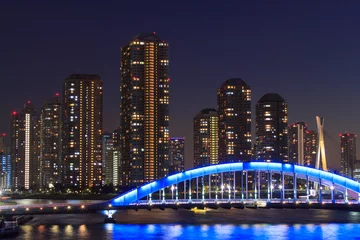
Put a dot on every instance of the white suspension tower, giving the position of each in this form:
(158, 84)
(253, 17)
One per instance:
(320, 155)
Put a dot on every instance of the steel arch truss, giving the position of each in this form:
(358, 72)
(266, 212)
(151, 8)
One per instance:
(316, 175)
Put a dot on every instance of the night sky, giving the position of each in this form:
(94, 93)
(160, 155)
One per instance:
(306, 52)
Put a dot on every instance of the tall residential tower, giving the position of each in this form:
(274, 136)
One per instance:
(234, 111)
(82, 117)
(25, 149)
(50, 142)
(272, 129)
(206, 138)
(296, 137)
(144, 110)
(348, 154)
(177, 155)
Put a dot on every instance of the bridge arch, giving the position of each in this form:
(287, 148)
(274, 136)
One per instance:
(316, 175)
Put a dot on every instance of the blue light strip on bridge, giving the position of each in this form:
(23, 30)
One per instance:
(143, 191)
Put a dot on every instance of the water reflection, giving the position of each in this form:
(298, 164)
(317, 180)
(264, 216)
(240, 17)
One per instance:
(178, 231)
(83, 231)
(69, 231)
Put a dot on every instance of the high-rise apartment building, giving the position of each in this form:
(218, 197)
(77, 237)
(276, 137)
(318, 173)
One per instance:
(296, 138)
(177, 155)
(144, 110)
(206, 138)
(82, 126)
(234, 111)
(272, 128)
(25, 149)
(107, 160)
(5, 164)
(116, 158)
(348, 154)
(310, 148)
(50, 142)
(5, 171)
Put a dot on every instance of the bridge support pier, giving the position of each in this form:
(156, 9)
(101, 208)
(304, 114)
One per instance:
(346, 196)
(190, 190)
(177, 193)
(255, 186)
(234, 186)
(320, 191)
(307, 188)
(332, 193)
(203, 188)
(282, 189)
(259, 185)
(197, 188)
(268, 186)
(295, 188)
(242, 186)
(246, 184)
(222, 186)
(209, 186)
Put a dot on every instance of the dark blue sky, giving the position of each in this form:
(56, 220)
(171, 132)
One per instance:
(307, 52)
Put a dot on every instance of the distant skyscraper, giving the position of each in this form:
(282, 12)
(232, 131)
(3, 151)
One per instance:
(2, 142)
(116, 158)
(50, 142)
(234, 110)
(25, 148)
(5, 157)
(296, 137)
(310, 148)
(107, 161)
(82, 117)
(177, 155)
(348, 154)
(5, 164)
(144, 110)
(206, 138)
(271, 128)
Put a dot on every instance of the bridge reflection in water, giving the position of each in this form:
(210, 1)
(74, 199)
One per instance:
(232, 185)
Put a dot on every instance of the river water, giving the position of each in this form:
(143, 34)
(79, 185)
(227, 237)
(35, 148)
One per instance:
(246, 224)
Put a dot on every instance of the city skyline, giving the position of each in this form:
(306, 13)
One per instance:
(306, 92)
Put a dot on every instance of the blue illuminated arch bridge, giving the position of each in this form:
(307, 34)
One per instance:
(226, 183)
(231, 185)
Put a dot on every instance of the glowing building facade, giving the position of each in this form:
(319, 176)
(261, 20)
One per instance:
(296, 138)
(272, 129)
(5, 164)
(25, 149)
(82, 130)
(107, 159)
(50, 142)
(177, 155)
(310, 148)
(348, 154)
(234, 111)
(144, 113)
(206, 138)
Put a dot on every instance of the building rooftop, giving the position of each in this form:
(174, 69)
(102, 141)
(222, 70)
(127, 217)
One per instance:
(271, 97)
(147, 37)
(84, 76)
(207, 110)
(234, 81)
